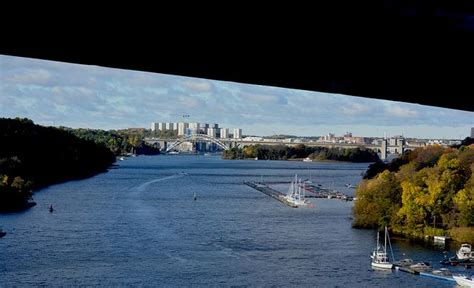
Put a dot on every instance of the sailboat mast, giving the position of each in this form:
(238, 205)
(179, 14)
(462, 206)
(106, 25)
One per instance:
(378, 240)
(299, 189)
(304, 188)
(385, 245)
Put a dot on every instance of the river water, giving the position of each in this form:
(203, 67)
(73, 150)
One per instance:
(138, 225)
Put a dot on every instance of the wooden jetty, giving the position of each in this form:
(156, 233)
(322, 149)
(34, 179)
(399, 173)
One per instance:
(407, 269)
(270, 192)
(316, 191)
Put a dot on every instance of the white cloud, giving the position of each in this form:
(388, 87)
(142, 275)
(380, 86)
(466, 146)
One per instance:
(29, 75)
(355, 109)
(398, 111)
(198, 86)
(189, 102)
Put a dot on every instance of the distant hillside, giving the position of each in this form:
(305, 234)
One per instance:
(426, 192)
(33, 156)
(120, 142)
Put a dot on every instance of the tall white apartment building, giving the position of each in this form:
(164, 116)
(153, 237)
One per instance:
(194, 127)
(224, 133)
(182, 126)
(154, 126)
(162, 126)
(211, 132)
(171, 126)
(237, 133)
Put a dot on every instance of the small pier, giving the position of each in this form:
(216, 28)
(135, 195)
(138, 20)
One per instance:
(270, 192)
(407, 270)
(316, 191)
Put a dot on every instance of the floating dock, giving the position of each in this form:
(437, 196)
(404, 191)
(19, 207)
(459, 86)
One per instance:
(437, 276)
(316, 191)
(270, 192)
(425, 273)
(407, 270)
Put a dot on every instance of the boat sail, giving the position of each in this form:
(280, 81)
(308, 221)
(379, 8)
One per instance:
(296, 193)
(379, 255)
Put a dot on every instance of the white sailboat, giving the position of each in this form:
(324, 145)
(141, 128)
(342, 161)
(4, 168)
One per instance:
(379, 255)
(296, 193)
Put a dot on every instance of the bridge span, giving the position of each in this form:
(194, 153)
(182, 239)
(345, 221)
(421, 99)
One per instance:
(168, 144)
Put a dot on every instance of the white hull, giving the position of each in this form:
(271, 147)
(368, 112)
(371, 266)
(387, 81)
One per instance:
(464, 252)
(439, 239)
(296, 193)
(382, 265)
(379, 255)
(463, 281)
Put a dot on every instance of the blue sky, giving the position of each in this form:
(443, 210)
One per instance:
(72, 95)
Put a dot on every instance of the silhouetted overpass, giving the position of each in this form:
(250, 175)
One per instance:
(411, 51)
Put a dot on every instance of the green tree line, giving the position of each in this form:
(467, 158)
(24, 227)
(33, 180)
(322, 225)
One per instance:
(427, 192)
(282, 152)
(33, 156)
(121, 142)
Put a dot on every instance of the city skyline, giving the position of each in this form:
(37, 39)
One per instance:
(81, 96)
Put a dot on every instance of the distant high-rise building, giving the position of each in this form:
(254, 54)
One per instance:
(194, 127)
(237, 133)
(154, 126)
(330, 137)
(211, 132)
(170, 126)
(203, 128)
(182, 126)
(224, 133)
(472, 132)
(162, 126)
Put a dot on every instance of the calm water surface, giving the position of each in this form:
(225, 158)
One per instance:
(138, 225)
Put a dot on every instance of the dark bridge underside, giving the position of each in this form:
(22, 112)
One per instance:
(419, 52)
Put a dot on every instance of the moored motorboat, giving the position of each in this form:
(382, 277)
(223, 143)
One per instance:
(463, 280)
(404, 262)
(454, 261)
(421, 266)
(464, 252)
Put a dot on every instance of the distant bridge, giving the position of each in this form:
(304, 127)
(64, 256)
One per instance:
(228, 143)
(197, 137)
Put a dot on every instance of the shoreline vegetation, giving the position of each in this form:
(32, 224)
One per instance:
(424, 193)
(300, 151)
(33, 157)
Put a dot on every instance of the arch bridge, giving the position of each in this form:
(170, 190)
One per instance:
(198, 137)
